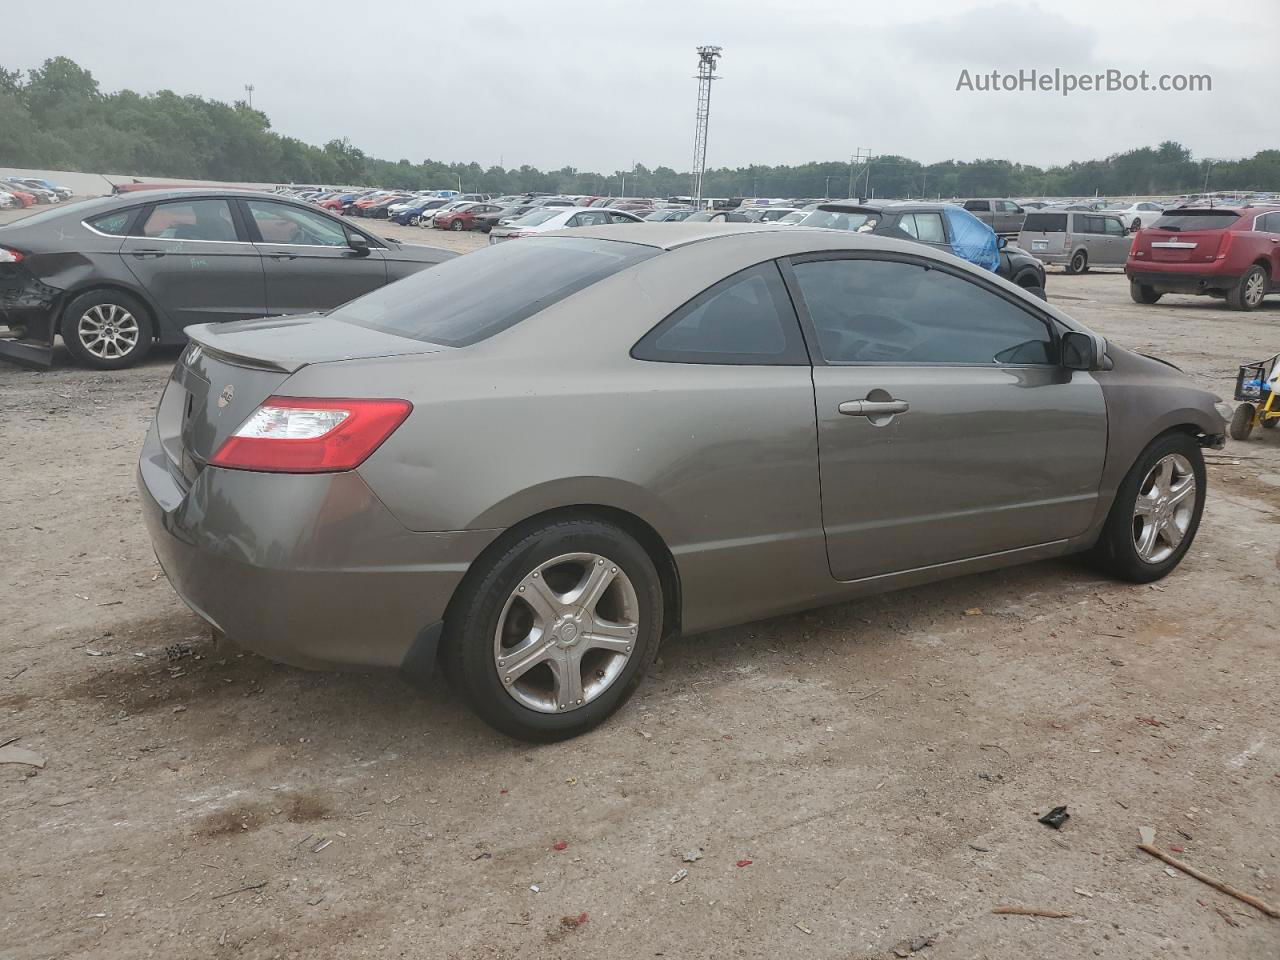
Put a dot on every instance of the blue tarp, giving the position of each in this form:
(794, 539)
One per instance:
(971, 239)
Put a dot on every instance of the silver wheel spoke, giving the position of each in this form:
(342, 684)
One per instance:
(1169, 530)
(1163, 508)
(614, 637)
(1182, 491)
(523, 658)
(538, 594)
(1145, 505)
(568, 673)
(596, 582)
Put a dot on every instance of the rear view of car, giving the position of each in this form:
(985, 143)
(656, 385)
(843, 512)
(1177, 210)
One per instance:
(1230, 253)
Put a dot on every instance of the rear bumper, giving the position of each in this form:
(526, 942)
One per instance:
(1191, 278)
(309, 570)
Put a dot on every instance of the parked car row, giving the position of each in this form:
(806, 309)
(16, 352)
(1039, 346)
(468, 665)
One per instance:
(28, 191)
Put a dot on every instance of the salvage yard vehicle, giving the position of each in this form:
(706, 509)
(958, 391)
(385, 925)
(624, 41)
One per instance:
(1003, 216)
(546, 219)
(946, 227)
(1076, 239)
(1135, 215)
(116, 274)
(1228, 252)
(470, 467)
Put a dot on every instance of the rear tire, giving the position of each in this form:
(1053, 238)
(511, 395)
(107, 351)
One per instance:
(1136, 225)
(1242, 421)
(106, 329)
(1117, 551)
(1143, 294)
(503, 587)
(1079, 262)
(1247, 294)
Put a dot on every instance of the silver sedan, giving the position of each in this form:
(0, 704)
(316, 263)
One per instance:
(533, 463)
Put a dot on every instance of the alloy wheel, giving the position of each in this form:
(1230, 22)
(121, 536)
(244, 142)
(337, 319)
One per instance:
(566, 632)
(108, 331)
(1254, 288)
(1164, 507)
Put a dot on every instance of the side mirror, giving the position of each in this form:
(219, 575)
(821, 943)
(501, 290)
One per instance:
(358, 243)
(1081, 351)
(1002, 242)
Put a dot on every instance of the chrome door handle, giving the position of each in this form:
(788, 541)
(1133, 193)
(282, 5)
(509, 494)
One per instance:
(873, 408)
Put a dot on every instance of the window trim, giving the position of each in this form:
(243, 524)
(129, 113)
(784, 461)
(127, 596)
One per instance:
(129, 224)
(795, 352)
(810, 330)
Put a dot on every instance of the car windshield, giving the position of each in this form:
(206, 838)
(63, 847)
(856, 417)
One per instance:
(1196, 220)
(535, 217)
(1045, 223)
(466, 299)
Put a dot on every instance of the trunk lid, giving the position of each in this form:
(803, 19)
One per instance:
(230, 368)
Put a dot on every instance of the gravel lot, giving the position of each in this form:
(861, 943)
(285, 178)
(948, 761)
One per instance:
(856, 777)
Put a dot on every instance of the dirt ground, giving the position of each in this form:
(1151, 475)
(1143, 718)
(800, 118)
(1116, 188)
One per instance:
(859, 778)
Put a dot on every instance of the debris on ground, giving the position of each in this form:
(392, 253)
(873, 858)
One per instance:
(744, 863)
(246, 887)
(973, 612)
(30, 758)
(560, 845)
(692, 856)
(907, 947)
(573, 923)
(1032, 912)
(678, 875)
(1217, 884)
(1082, 893)
(177, 651)
(1055, 818)
(804, 928)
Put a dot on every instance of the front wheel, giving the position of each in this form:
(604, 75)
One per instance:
(552, 634)
(1156, 512)
(1242, 421)
(106, 329)
(457, 225)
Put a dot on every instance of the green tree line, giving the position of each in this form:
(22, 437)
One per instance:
(57, 118)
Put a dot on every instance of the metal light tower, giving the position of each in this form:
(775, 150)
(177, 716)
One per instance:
(707, 57)
(249, 88)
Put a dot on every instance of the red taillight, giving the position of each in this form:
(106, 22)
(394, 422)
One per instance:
(1224, 245)
(9, 256)
(310, 434)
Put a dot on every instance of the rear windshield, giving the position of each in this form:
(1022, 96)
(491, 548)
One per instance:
(464, 300)
(1196, 220)
(535, 217)
(1046, 222)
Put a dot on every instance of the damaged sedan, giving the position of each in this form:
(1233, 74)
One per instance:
(116, 275)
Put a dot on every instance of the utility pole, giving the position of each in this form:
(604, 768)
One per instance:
(861, 155)
(707, 57)
(249, 88)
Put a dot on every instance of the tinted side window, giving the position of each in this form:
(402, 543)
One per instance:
(190, 220)
(981, 206)
(929, 228)
(112, 223)
(745, 318)
(880, 311)
(1112, 227)
(283, 223)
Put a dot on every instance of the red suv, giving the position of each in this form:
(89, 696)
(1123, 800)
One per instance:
(1233, 253)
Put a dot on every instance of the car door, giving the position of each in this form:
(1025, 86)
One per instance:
(1009, 217)
(947, 429)
(196, 263)
(921, 226)
(307, 257)
(1118, 241)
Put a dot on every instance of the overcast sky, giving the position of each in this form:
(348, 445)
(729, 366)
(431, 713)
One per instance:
(598, 85)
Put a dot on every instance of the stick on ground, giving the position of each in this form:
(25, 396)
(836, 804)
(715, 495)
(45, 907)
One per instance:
(1191, 871)
(1032, 912)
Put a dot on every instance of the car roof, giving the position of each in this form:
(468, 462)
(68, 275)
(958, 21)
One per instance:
(667, 235)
